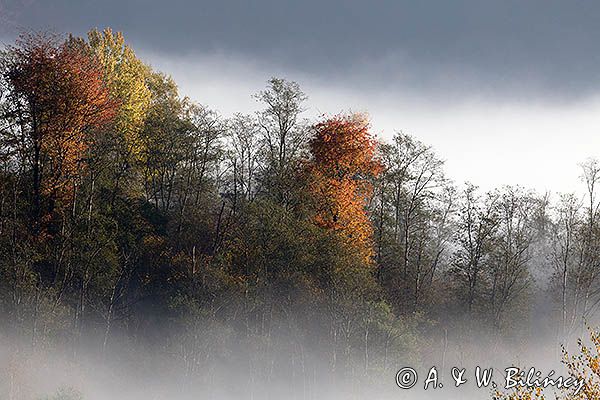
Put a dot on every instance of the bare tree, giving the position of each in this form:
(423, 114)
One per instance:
(510, 277)
(477, 225)
(284, 134)
(244, 157)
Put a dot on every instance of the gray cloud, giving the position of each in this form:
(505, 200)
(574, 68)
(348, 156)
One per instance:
(504, 48)
(506, 91)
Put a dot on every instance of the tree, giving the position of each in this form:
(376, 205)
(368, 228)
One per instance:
(589, 273)
(477, 226)
(284, 136)
(412, 210)
(56, 96)
(126, 77)
(162, 141)
(574, 253)
(509, 265)
(342, 167)
(581, 366)
(244, 158)
(55, 102)
(585, 366)
(117, 149)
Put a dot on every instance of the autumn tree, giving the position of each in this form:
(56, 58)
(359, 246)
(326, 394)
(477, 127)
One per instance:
(55, 101)
(56, 96)
(343, 164)
(582, 364)
(126, 77)
(585, 364)
(118, 149)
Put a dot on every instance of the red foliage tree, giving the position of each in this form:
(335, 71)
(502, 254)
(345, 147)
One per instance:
(57, 97)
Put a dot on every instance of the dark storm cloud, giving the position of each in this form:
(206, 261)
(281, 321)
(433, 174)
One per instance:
(537, 46)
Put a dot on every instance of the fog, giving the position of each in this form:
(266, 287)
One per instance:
(150, 371)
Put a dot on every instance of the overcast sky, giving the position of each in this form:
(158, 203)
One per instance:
(507, 92)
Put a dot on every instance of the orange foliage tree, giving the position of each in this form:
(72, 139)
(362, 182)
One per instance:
(343, 165)
(58, 97)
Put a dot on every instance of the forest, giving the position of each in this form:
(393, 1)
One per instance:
(139, 227)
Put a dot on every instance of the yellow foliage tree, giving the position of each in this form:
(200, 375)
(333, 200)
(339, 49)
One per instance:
(583, 365)
(586, 365)
(127, 79)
